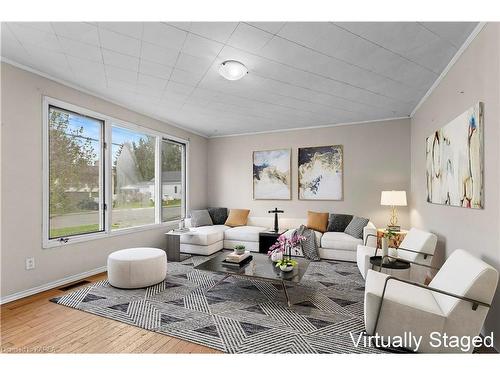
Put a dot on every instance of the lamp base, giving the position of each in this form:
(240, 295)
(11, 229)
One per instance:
(395, 228)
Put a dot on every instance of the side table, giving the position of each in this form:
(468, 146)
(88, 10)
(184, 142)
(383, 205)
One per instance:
(397, 268)
(173, 248)
(267, 239)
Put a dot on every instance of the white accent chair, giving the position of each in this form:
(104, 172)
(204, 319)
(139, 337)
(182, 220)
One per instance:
(456, 302)
(418, 248)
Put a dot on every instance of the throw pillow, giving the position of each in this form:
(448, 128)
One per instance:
(356, 226)
(338, 222)
(317, 221)
(218, 215)
(237, 217)
(200, 218)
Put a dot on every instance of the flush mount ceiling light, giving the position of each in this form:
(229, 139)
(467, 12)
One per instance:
(232, 70)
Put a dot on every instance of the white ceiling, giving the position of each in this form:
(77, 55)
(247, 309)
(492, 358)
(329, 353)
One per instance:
(300, 74)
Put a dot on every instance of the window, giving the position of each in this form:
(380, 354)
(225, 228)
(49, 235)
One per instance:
(133, 178)
(93, 190)
(75, 174)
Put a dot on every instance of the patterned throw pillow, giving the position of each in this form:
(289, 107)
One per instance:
(218, 215)
(356, 226)
(338, 222)
(200, 218)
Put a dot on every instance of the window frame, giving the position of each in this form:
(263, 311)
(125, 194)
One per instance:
(107, 196)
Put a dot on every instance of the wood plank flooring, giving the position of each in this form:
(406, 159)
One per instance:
(36, 325)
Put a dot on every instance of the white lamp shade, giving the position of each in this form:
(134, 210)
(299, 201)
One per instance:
(232, 70)
(393, 198)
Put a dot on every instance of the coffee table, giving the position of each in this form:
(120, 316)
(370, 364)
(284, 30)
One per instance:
(260, 267)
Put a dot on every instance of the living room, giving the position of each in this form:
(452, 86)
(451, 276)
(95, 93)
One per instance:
(207, 186)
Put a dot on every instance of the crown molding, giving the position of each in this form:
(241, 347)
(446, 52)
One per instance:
(452, 62)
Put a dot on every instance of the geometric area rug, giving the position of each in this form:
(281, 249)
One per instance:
(240, 315)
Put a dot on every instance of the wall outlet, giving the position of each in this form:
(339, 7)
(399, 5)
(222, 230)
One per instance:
(30, 263)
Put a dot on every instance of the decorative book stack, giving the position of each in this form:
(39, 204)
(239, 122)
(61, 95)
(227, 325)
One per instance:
(239, 259)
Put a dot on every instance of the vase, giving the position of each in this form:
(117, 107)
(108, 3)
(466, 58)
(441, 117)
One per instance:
(393, 253)
(385, 248)
(276, 256)
(286, 268)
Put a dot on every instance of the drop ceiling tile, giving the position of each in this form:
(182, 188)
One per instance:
(118, 74)
(154, 69)
(45, 57)
(84, 65)
(81, 31)
(249, 38)
(120, 60)
(82, 50)
(120, 43)
(193, 64)
(218, 31)
(163, 35)
(178, 88)
(271, 27)
(159, 55)
(434, 55)
(201, 47)
(41, 26)
(306, 33)
(153, 82)
(454, 32)
(188, 78)
(132, 29)
(29, 35)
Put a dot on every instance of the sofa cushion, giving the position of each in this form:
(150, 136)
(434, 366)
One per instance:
(340, 241)
(317, 220)
(204, 236)
(237, 217)
(244, 233)
(356, 226)
(200, 218)
(218, 215)
(338, 222)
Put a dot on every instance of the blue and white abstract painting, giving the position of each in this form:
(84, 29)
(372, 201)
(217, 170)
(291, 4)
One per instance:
(271, 174)
(320, 173)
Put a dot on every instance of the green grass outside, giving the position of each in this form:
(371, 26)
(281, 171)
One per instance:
(70, 231)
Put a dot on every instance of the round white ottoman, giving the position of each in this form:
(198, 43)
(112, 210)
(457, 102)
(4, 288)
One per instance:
(137, 267)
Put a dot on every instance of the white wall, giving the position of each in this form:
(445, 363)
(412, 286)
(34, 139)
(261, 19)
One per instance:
(21, 178)
(376, 158)
(477, 75)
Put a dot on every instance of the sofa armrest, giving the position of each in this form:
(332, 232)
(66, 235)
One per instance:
(370, 235)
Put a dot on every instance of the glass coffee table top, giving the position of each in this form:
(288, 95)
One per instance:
(259, 267)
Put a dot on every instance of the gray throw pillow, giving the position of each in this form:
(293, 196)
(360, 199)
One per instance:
(356, 226)
(218, 215)
(200, 218)
(338, 222)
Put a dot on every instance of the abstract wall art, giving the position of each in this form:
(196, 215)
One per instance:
(320, 173)
(271, 174)
(454, 161)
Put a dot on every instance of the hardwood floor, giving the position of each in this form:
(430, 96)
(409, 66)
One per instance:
(36, 325)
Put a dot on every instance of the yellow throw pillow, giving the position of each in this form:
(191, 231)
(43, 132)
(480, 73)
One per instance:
(317, 221)
(237, 217)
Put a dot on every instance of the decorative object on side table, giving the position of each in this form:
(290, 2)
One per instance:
(455, 161)
(394, 240)
(284, 246)
(276, 212)
(393, 198)
(386, 237)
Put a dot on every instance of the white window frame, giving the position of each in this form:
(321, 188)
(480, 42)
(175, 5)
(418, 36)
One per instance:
(107, 196)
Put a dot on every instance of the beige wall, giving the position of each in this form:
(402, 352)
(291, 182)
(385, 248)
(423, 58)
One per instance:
(21, 158)
(477, 75)
(376, 158)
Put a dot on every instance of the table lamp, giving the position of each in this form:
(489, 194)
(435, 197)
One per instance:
(393, 198)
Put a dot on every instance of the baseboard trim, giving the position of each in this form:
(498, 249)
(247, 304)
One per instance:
(51, 285)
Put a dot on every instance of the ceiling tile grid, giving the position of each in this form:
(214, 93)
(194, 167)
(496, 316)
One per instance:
(301, 74)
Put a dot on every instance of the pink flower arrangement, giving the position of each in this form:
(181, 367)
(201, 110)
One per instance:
(285, 244)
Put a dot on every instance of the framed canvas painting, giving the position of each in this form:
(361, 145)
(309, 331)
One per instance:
(455, 161)
(320, 173)
(271, 174)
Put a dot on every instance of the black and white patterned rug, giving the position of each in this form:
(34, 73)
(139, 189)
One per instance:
(240, 315)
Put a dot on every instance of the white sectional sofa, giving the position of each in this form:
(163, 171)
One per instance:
(207, 240)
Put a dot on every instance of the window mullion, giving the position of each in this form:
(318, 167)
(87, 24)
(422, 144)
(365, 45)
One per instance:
(108, 177)
(158, 181)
